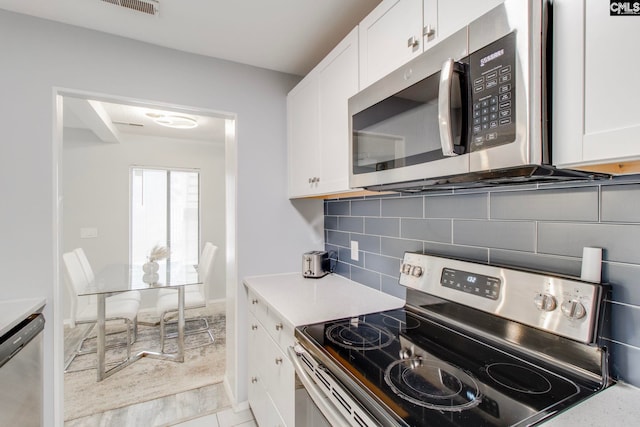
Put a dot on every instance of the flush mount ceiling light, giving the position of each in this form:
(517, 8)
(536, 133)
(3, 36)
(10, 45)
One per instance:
(173, 121)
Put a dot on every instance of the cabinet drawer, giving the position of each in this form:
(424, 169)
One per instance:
(257, 306)
(280, 331)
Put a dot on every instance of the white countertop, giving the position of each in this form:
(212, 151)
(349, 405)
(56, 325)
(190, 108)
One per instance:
(614, 406)
(302, 301)
(15, 311)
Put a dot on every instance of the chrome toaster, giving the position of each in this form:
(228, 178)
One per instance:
(315, 264)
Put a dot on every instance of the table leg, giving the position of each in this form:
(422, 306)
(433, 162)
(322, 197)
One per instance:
(101, 337)
(180, 355)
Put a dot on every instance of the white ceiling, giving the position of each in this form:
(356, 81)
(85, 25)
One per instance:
(291, 36)
(115, 122)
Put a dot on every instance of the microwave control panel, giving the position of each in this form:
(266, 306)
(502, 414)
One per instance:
(493, 102)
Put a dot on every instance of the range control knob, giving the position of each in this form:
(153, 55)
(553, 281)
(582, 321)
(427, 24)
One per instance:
(545, 302)
(405, 353)
(417, 271)
(406, 268)
(573, 309)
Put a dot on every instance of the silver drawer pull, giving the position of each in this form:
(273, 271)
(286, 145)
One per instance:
(278, 360)
(254, 327)
(254, 380)
(279, 326)
(254, 301)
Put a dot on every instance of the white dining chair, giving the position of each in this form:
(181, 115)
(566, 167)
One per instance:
(125, 309)
(88, 271)
(195, 296)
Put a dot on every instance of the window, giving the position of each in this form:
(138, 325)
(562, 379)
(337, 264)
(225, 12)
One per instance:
(165, 211)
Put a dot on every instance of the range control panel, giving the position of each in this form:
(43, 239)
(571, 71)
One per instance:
(477, 284)
(492, 75)
(560, 305)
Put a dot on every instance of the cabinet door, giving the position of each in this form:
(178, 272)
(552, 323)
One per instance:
(390, 36)
(303, 121)
(611, 98)
(430, 19)
(596, 118)
(338, 81)
(258, 398)
(455, 14)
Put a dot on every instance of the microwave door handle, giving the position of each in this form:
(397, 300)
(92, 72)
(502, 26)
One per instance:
(444, 108)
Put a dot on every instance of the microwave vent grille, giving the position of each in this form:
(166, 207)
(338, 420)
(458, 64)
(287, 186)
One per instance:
(149, 7)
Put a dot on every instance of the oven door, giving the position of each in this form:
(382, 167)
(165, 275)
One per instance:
(338, 406)
(415, 122)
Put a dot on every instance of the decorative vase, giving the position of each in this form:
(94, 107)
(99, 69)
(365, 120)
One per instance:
(150, 267)
(151, 278)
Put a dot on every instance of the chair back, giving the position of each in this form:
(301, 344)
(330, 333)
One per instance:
(205, 267)
(84, 263)
(75, 280)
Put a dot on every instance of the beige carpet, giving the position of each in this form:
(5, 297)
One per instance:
(148, 378)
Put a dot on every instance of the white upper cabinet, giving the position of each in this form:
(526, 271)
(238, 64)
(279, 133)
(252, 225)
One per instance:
(303, 121)
(390, 36)
(455, 14)
(399, 30)
(318, 123)
(596, 114)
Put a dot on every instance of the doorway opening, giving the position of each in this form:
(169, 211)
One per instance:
(105, 145)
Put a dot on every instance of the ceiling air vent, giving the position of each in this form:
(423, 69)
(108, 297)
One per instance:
(145, 6)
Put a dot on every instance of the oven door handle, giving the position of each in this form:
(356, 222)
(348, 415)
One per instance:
(334, 416)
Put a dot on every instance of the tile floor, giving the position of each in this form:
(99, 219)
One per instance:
(225, 418)
(204, 407)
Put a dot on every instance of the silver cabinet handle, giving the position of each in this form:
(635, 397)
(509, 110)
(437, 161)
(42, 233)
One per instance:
(413, 42)
(428, 31)
(278, 360)
(254, 301)
(254, 327)
(254, 380)
(279, 327)
(444, 109)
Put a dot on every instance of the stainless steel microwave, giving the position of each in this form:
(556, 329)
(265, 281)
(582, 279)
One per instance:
(472, 110)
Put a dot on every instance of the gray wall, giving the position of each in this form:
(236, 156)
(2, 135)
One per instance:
(543, 228)
(39, 56)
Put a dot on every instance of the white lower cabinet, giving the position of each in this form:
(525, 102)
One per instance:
(271, 374)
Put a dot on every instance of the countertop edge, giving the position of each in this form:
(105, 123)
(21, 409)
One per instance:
(14, 311)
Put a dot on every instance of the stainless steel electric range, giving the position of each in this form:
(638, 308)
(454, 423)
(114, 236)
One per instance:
(475, 345)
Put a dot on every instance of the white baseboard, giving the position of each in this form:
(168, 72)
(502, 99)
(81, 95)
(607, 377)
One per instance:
(237, 406)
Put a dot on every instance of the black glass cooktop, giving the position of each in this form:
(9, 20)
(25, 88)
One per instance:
(430, 375)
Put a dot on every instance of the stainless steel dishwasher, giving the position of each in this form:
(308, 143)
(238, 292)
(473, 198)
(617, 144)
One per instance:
(21, 389)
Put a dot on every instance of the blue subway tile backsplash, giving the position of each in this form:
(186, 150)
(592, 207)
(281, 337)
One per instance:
(540, 227)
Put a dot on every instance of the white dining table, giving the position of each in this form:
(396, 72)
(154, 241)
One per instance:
(115, 279)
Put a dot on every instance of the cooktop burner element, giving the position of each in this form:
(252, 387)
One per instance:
(399, 321)
(432, 384)
(518, 378)
(359, 335)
